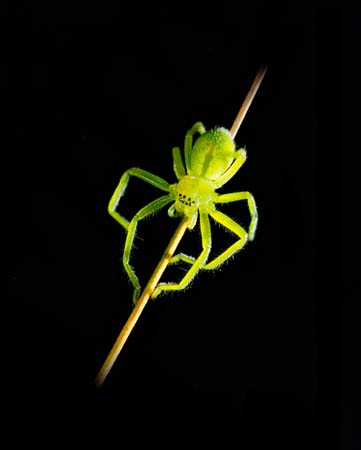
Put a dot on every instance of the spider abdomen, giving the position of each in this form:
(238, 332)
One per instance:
(212, 154)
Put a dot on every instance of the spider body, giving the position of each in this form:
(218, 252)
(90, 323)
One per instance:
(212, 154)
(209, 164)
(192, 193)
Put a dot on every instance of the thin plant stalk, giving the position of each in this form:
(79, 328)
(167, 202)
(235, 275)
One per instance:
(169, 252)
(141, 302)
(248, 100)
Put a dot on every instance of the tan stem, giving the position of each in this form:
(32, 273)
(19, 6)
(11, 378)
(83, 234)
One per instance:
(247, 101)
(154, 279)
(142, 301)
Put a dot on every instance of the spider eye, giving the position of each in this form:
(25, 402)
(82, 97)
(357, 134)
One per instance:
(183, 198)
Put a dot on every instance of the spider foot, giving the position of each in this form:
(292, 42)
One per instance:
(156, 292)
(252, 229)
(161, 288)
(136, 294)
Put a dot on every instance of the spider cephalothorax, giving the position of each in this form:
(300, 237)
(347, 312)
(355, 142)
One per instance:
(191, 194)
(208, 164)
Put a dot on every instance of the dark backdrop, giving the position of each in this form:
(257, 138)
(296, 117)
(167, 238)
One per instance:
(249, 354)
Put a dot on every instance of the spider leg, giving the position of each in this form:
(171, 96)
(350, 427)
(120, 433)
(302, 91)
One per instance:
(178, 165)
(198, 127)
(236, 196)
(241, 157)
(123, 183)
(227, 198)
(233, 226)
(197, 264)
(132, 226)
(182, 257)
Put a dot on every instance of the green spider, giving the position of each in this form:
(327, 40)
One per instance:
(209, 164)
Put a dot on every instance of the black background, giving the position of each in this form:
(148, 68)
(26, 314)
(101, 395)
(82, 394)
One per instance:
(258, 353)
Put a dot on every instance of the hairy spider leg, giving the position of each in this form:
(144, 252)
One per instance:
(197, 263)
(240, 158)
(148, 177)
(235, 197)
(151, 208)
(198, 127)
(233, 226)
(178, 165)
(145, 211)
(228, 223)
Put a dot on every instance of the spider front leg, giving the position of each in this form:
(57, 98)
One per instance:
(227, 222)
(235, 197)
(151, 208)
(233, 226)
(131, 226)
(197, 264)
